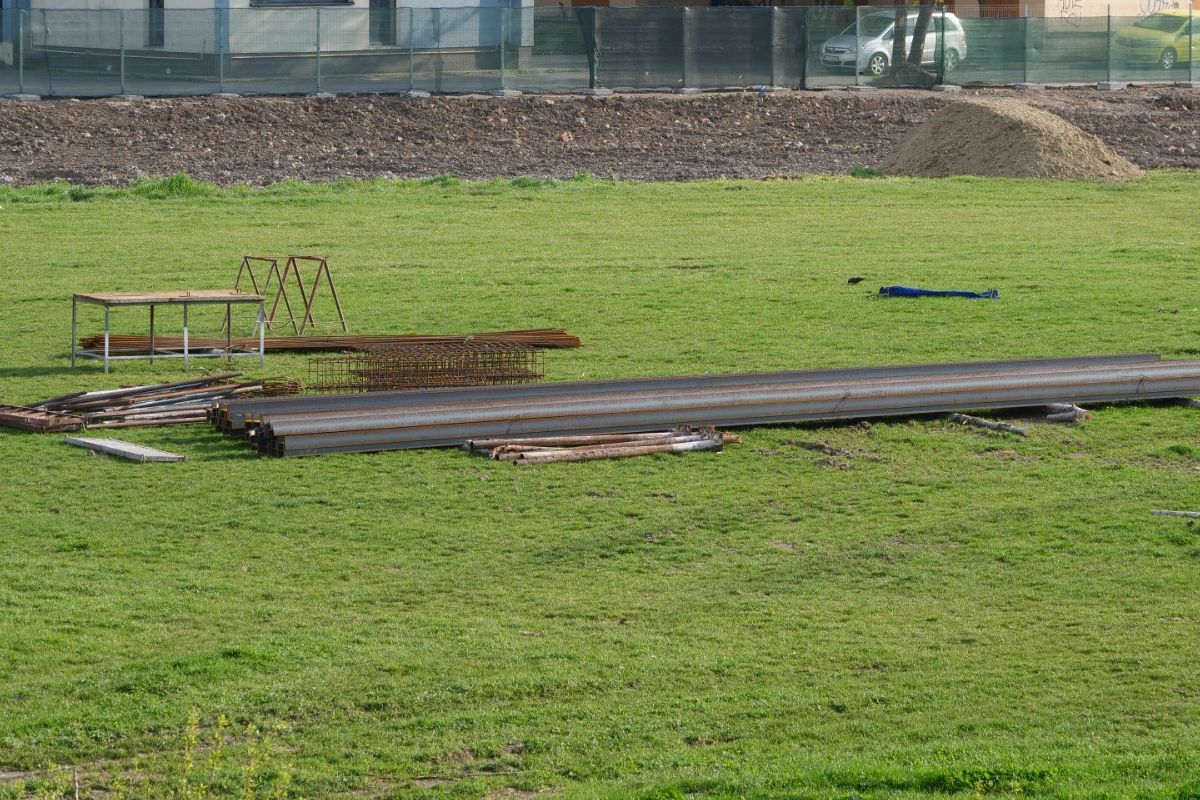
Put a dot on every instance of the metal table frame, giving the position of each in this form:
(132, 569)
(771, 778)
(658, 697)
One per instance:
(110, 300)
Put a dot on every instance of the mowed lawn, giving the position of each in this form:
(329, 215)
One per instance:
(944, 611)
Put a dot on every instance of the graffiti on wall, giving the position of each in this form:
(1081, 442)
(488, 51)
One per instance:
(1148, 7)
(1072, 10)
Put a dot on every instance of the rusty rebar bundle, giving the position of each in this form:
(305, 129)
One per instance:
(550, 449)
(422, 366)
(136, 344)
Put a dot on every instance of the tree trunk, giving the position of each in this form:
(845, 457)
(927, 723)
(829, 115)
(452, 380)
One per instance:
(916, 53)
(899, 34)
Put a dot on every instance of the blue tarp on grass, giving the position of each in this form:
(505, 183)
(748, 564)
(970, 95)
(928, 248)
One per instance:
(909, 291)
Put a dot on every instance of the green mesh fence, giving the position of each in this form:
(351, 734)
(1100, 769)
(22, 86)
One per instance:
(994, 52)
(293, 50)
(643, 50)
(1154, 48)
(1067, 50)
(10, 79)
(828, 42)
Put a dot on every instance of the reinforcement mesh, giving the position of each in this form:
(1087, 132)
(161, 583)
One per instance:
(421, 366)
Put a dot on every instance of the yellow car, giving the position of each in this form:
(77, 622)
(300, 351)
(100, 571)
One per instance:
(1160, 38)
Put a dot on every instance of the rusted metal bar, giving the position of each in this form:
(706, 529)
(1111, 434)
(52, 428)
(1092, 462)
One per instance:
(597, 453)
(38, 420)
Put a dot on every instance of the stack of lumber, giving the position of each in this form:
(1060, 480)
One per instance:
(178, 403)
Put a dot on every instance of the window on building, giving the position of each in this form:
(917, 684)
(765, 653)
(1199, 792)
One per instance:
(156, 24)
(383, 23)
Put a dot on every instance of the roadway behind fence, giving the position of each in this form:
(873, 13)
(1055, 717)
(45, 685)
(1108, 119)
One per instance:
(447, 50)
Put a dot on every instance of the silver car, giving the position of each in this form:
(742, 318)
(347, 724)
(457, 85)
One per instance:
(867, 45)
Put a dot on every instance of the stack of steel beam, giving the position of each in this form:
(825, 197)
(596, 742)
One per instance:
(448, 417)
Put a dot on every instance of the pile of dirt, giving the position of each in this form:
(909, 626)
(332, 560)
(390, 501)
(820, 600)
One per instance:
(1005, 138)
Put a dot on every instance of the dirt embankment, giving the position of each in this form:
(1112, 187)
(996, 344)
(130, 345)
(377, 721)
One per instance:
(1005, 137)
(651, 137)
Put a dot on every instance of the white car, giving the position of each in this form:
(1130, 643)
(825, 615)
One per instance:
(867, 44)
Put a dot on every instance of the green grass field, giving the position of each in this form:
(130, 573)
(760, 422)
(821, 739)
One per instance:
(947, 612)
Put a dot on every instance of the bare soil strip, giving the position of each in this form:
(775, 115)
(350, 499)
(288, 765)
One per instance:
(260, 140)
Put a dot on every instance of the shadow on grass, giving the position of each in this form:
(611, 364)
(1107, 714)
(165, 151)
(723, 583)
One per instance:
(38, 372)
(206, 444)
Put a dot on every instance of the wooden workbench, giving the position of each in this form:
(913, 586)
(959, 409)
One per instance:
(185, 298)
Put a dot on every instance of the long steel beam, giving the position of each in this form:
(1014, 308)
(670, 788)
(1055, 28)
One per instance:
(435, 404)
(230, 415)
(724, 406)
(722, 396)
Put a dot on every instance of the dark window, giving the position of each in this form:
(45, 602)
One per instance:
(383, 22)
(287, 3)
(156, 28)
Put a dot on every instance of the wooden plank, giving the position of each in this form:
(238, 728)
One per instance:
(38, 420)
(1161, 513)
(116, 447)
(176, 296)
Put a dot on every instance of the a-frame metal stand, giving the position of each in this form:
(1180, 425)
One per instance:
(293, 265)
(291, 270)
(247, 269)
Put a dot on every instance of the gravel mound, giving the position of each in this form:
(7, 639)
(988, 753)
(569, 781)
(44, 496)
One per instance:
(1005, 138)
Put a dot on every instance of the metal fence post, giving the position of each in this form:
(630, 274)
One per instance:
(858, 45)
(941, 47)
(1108, 47)
(222, 45)
(503, 43)
(1191, 33)
(21, 51)
(1025, 47)
(121, 22)
(437, 44)
(594, 61)
(775, 79)
(804, 12)
(412, 60)
(46, 53)
(318, 51)
(686, 46)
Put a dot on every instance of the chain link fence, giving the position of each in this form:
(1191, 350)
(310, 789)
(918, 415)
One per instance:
(78, 53)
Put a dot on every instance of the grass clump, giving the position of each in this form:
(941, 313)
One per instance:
(179, 185)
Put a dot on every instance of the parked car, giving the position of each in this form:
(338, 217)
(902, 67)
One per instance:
(867, 44)
(1160, 38)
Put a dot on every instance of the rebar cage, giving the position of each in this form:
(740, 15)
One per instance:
(422, 366)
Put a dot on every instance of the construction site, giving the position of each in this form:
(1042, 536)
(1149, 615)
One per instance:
(848, 450)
